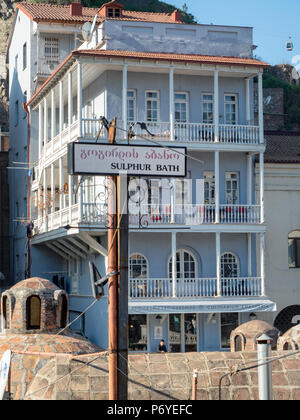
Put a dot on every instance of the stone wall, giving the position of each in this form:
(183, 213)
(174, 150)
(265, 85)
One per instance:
(165, 376)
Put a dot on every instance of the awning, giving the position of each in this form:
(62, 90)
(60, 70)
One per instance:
(201, 306)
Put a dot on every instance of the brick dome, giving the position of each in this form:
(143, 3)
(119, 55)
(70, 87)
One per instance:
(290, 340)
(243, 338)
(34, 305)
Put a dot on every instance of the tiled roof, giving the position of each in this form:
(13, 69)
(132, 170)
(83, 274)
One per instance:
(61, 13)
(191, 58)
(282, 147)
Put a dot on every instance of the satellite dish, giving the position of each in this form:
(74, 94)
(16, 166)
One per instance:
(268, 100)
(86, 31)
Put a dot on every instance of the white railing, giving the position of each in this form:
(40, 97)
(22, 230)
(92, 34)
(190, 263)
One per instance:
(194, 287)
(240, 134)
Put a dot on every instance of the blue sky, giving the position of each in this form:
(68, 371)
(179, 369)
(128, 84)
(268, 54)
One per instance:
(274, 21)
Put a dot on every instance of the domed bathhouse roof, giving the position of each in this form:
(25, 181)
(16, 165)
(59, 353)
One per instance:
(244, 337)
(290, 340)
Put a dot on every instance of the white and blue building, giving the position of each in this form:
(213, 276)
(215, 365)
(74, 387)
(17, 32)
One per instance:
(196, 245)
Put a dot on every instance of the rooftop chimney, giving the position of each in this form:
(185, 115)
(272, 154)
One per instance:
(76, 8)
(176, 16)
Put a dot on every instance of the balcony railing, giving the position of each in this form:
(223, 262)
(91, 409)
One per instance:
(152, 215)
(194, 287)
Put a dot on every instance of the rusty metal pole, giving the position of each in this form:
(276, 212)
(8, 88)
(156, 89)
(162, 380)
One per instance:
(195, 382)
(113, 281)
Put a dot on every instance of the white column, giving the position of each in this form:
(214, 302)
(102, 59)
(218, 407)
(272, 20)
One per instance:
(52, 192)
(216, 105)
(70, 178)
(80, 209)
(172, 200)
(61, 109)
(262, 263)
(45, 199)
(218, 263)
(45, 125)
(79, 98)
(249, 248)
(260, 108)
(172, 104)
(249, 178)
(217, 186)
(41, 134)
(60, 164)
(124, 100)
(261, 187)
(174, 271)
(70, 103)
(248, 108)
(52, 116)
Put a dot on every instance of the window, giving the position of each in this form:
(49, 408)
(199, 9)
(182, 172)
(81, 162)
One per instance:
(24, 56)
(137, 332)
(24, 101)
(185, 265)
(230, 267)
(181, 107)
(33, 313)
(152, 106)
(16, 113)
(209, 187)
(232, 188)
(138, 266)
(174, 333)
(207, 108)
(229, 322)
(131, 105)
(294, 249)
(113, 13)
(51, 50)
(230, 104)
(190, 330)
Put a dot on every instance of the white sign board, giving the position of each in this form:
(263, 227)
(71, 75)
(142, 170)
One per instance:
(107, 159)
(4, 370)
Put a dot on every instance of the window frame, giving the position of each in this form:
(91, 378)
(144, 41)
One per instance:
(182, 101)
(24, 55)
(227, 173)
(142, 256)
(220, 324)
(211, 182)
(235, 102)
(133, 98)
(206, 101)
(237, 261)
(294, 240)
(151, 100)
(52, 44)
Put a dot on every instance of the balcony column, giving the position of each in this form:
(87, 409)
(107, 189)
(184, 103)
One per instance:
(53, 114)
(45, 125)
(218, 263)
(79, 98)
(52, 192)
(249, 249)
(124, 100)
(174, 271)
(216, 105)
(80, 191)
(249, 178)
(40, 131)
(60, 165)
(260, 108)
(61, 110)
(262, 263)
(172, 104)
(70, 103)
(217, 186)
(45, 199)
(261, 187)
(248, 106)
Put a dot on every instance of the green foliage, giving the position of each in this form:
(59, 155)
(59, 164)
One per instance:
(291, 99)
(137, 5)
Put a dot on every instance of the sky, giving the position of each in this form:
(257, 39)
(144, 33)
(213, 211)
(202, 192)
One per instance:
(273, 22)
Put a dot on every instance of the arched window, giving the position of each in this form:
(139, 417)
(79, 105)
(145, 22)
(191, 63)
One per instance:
(33, 313)
(138, 267)
(230, 265)
(186, 266)
(5, 312)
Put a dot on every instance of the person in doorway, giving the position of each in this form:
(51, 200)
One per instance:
(162, 347)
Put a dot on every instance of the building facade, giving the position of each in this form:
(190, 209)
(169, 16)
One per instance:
(195, 272)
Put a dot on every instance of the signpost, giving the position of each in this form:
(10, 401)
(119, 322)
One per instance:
(113, 160)
(4, 371)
